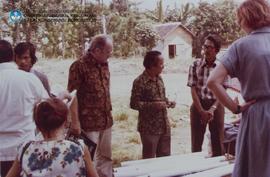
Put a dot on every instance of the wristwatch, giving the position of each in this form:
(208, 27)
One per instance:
(238, 110)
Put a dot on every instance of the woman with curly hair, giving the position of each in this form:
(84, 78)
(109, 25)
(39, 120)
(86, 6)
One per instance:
(53, 156)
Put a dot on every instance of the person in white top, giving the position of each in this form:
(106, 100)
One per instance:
(19, 92)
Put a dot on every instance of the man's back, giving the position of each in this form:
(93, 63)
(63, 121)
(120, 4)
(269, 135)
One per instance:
(19, 92)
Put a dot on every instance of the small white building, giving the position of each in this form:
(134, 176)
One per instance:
(175, 40)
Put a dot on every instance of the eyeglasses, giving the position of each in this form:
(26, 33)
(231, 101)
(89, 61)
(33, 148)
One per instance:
(208, 46)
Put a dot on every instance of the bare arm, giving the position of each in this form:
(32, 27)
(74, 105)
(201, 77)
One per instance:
(196, 99)
(212, 109)
(205, 115)
(75, 126)
(214, 83)
(15, 169)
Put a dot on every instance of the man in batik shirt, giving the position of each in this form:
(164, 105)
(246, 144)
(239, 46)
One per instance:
(91, 78)
(205, 108)
(148, 97)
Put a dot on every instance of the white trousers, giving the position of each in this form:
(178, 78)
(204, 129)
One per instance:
(103, 154)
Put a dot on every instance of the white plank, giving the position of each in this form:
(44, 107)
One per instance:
(182, 156)
(185, 170)
(216, 172)
(183, 166)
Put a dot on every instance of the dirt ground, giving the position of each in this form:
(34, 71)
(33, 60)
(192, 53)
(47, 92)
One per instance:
(125, 139)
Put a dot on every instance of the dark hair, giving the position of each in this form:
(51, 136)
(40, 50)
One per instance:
(215, 39)
(50, 114)
(151, 59)
(6, 51)
(99, 41)
(22, 47)
(254, 13)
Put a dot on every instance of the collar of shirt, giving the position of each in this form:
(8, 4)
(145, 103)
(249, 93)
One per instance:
(90, 58)
(265, 29)
(147, 77)
(204, 64)
(8, 65)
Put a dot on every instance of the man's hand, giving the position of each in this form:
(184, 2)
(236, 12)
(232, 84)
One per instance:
(160, 105)
(205, 116)
(75, 126)
(64, 95)
(210, 112)
(75, 129)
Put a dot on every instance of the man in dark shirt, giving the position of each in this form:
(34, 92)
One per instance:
(205, 109)
(90, 76)
(148, 97)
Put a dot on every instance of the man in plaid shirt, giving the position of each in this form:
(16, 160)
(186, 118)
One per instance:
(205, 108)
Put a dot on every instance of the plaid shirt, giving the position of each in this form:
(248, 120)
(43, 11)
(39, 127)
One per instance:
(198, 74)
(92, 81)
(145, 92)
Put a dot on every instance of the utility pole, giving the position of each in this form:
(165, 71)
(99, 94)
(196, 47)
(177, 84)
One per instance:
(81, 30)
(103, 20)
(15, 35)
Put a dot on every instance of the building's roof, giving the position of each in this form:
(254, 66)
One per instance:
(164, 29)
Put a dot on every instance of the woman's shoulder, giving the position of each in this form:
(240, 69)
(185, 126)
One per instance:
(77, 143)
(56, 156)
(55, 143)
(245, 41)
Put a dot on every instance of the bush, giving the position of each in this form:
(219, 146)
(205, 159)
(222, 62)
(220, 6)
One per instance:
(145, 35)
(121, 117)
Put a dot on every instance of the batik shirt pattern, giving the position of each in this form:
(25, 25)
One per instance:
(145, 92)
(92, 81)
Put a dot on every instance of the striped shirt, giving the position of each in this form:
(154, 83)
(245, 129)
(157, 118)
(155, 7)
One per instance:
(199, 72)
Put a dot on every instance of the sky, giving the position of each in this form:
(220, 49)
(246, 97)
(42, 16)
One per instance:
(151, 4)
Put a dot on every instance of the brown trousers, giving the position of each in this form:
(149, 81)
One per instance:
(216, 128)
(155, 145)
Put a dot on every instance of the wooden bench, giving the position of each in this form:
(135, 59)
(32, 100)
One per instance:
(190, 165)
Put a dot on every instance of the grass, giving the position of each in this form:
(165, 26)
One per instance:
(121, 117)
(126, 143)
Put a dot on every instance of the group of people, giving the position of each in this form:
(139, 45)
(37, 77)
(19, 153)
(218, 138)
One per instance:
(24, 99)
(27, 107)
(248, 60)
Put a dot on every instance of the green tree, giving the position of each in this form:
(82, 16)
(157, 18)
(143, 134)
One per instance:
(121, 6)
(155, 15)
(218, 18)
(122, 30)
(182, 14)
(146, 35)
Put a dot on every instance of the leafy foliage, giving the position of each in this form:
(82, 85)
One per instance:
(121, 28)
(121, 6)
(145, 35)
(131, 29)
(182, 14)
(218, 18)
